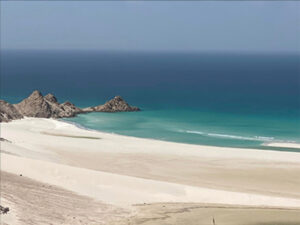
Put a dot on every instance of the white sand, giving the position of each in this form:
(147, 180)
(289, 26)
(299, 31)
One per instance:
(124, 190)
(143, 171)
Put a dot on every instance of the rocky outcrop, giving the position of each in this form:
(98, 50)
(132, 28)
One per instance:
(51, 98)
(34, 106)
(69, 109)
(37, 105)
(117, 104)
(8, 112)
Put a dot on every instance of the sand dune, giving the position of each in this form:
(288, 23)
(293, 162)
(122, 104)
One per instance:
(28, 205)
(125, 190)
(33, 202)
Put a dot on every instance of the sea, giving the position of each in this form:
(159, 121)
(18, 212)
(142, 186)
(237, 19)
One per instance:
(242, 100)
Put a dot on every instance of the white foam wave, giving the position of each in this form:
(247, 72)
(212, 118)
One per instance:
(228, 136)
(194, 132)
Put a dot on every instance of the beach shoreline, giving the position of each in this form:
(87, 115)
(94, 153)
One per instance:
(124, 171)
(266, 143)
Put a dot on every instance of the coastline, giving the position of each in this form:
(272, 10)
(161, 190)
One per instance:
(108, 167)
(275, 145)
(32, 106)
(195, 136)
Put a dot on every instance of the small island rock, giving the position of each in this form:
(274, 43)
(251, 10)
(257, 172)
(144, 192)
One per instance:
(117, 104)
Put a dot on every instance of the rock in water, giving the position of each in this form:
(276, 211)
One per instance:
(8, 112)
(117, 104)
(45, 107)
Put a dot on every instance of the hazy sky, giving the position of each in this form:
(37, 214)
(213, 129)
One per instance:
(152, 25)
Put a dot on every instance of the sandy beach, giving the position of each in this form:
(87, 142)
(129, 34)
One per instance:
(125, 180)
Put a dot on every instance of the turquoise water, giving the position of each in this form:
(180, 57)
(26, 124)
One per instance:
(194, 127)
(237, 100)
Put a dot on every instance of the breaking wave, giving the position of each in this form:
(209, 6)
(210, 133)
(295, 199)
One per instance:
(227, 136)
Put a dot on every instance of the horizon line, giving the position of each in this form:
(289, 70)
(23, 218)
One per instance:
(154, 50)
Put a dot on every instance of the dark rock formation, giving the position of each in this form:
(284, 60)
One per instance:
(45, 107)
(117, 104)
(3, 210)
(8, 112)
(37, 105)
(34, 106)
(69, 109)
(51, 98)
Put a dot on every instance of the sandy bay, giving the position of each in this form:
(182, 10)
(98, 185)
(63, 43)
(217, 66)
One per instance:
(142, 178)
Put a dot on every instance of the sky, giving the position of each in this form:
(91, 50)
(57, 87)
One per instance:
(234, 26)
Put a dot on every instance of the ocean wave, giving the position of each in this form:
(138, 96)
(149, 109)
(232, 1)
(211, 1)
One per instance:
(228, 136)
(194, 132)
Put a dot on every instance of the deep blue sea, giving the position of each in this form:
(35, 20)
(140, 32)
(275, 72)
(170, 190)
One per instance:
(221, 99)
